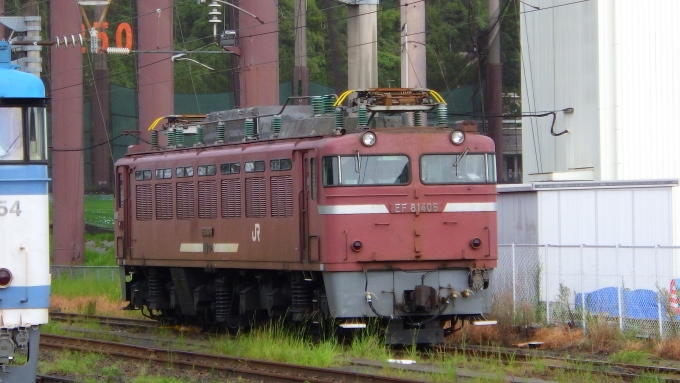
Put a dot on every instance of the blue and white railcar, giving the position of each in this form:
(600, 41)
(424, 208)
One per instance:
(24, 222)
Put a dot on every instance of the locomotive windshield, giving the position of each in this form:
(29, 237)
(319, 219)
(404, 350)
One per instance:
(366, 170)
(461, 168)
(22, 134)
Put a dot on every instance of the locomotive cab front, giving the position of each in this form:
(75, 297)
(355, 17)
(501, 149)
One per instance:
(409, 223)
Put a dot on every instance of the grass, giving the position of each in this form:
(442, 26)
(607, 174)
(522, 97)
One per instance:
(99, 210)
(87, 286)
(275, 342)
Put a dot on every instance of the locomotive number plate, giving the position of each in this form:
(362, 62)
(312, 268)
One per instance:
(415, 207)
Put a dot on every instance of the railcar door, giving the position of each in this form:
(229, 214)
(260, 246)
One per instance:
(122, 217)
(311, 244)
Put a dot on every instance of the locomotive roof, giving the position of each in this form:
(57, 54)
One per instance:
(296, 126)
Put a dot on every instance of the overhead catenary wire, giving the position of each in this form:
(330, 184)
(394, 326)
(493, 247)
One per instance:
(275, 61)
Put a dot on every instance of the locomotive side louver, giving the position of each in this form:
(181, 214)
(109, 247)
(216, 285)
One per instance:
(231, 198)
(164, 201)
(282, 196)
(143, 202)
(256, 198)
(185, 200)
(207, 199)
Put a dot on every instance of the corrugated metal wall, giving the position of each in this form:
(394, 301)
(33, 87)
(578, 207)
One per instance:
(633, 216)
(616, 63)
(559, 68)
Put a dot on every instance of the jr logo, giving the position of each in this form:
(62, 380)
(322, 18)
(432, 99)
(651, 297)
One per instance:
(256, 233)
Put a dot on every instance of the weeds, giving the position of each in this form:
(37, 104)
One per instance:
(631, 357)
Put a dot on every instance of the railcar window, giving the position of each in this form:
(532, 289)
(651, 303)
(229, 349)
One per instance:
(37, 140)
(11, 135)
(458, 168)
(230, 168)
(281, 164)
(254, 166)
(186, 171)
(206, 170)
(356, 170)
(163, 173)
(142, 175)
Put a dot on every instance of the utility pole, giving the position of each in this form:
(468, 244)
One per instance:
(102, 156)
(339, 80)
(413, 51)
(33, 62)
(67, 133)
(154, 70)
(494, 78)
(362, 44)
(258, 39)
(301, 71)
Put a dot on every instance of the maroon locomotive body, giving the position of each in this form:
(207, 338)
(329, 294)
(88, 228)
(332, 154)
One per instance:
(392, 222)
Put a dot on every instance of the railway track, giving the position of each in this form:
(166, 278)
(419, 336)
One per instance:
(229, 366)
(553, 361)
(550, 360)
(109, 321)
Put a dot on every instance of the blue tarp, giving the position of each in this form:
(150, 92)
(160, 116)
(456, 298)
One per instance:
(637, 304)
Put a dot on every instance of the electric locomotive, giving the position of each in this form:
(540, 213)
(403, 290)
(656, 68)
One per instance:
(313, 213)
(24, 222)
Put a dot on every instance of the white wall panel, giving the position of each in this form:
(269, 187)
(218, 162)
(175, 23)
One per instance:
(616, 63)
(652, 217)
(578, 223)
(614, 206)
(559, 67)
(628, 216)
(548, 218)
(517, 218)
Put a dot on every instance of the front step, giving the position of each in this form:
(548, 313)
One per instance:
(398, 333)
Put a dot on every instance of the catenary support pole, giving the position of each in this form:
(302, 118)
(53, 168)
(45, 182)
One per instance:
(67, 133)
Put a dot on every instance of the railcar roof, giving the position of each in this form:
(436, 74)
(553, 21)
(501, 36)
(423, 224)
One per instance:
(17, 84)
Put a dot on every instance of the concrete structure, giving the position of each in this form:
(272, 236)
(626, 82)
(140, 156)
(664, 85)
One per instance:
(609, 71)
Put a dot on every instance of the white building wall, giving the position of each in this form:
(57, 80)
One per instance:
(616, 63)
(559, 68)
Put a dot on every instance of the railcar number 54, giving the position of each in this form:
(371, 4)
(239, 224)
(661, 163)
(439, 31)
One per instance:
(13, 209)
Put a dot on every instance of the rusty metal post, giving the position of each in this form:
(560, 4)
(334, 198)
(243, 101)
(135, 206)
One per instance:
(339, 79)
(494, 94)
(259, 61)
(67, 133)
(102, 155)
(154, 70)
(301, 71)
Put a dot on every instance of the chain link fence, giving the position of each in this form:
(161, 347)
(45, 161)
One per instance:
(91, 272)
(632, 287)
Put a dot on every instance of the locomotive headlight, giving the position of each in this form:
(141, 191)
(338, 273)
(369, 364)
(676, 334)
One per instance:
(368, 139)
(457, 137)
(357, 245)
(475, 243)
(5, 278)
